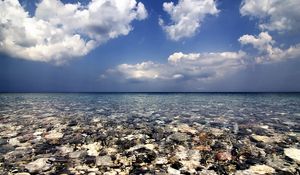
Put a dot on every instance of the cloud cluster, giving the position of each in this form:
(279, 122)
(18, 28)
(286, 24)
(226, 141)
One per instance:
(206, 66)
(58, 32)
(267, 50)
(200, 66)
(274, 15)
(186, 17)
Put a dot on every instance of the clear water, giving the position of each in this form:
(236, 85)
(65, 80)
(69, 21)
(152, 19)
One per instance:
(199, 107)
(193, 126)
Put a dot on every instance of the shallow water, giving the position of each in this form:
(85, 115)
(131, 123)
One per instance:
(170, 123)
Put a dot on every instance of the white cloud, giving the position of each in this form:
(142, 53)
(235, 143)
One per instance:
(274, 15)
(206, 66)
(198, 66)
(268, 51)
(186, 17)
(263, 42)
(58, 32)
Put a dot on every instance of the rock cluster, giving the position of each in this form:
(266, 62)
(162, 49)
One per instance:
(61, 141)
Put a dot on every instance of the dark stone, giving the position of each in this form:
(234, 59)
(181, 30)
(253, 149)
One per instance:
(72, 123)
(177, 165)
(218, 145)
(260, 145)
(281, 172)
(3, 141)
(90, 159)
(45, 148)
(145, 155)
(241, 166)
(219, 169)
(184, 172)
(125, 144)
(6, 148)
(255, 160)
(138, 170)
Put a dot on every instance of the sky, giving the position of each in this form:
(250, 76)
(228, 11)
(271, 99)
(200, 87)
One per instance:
(149, 46)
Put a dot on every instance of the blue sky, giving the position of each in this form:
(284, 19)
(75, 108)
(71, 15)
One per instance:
(202, 45)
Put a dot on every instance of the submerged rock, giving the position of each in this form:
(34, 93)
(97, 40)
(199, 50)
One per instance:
(54, 135)
(259, 138)
(173, 171)
(93, 148)
(186, 129)
(179, 137)
(293, 153)
(261, 169)
(38, 165)
(223, 156)
(161, 161)
(104, 161)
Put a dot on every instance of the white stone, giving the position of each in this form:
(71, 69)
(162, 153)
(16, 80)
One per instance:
(76, 154)
(293, 153)
(93, 148)
(161, 161)
(259, 138)
(14, 141)
(65, 149)
(261, 169)
(216, 132)
(208, 172)
(38, 165)
(104, 161)
(173, 171)
(54, 136)
(186, 129)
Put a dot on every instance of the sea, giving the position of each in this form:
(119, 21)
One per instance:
(140, 133)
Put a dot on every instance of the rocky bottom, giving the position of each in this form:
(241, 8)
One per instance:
(154, 144)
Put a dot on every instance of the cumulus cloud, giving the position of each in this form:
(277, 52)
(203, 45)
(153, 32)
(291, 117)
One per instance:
(199, 66)
(58, 32)
(206, 66)
(274, 15)
(267, 49)
(186, 17)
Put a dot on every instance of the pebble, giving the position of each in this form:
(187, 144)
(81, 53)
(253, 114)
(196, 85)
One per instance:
(104, 161)
(123, 140)
(293, 153)
(38, 165)
(223, 156)
(173, 171)
(180, 137)
(259, 138)
(54, 135)
(261, 169)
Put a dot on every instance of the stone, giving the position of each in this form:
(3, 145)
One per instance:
(77, 154)
(161, 161)
(173, 171)
(207, 172)
(216, 132)
(54, 135)
(259, 138)
(186, 129)
(14, 141)
(93, 148)
(223, 156)
(261, 169)
(203, 148)
(65, 149)
(293, 153)
(38, 165)
(180, 137)
(104, 161)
